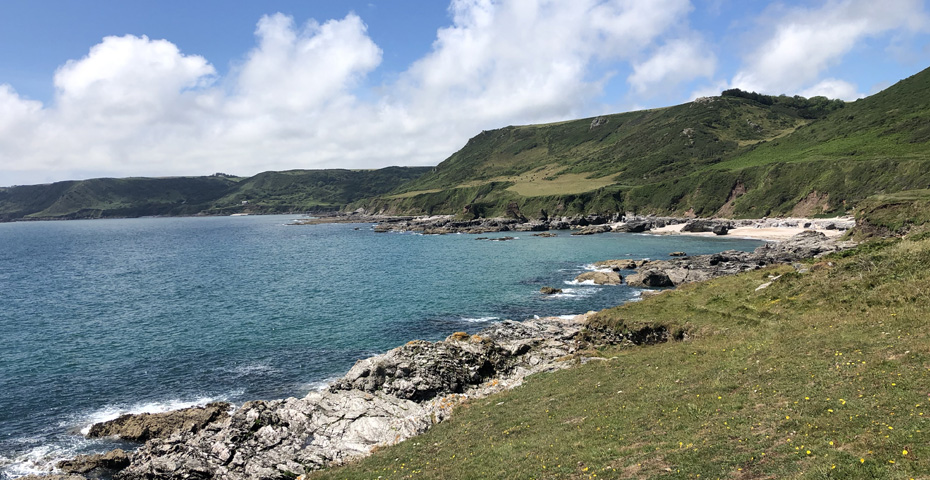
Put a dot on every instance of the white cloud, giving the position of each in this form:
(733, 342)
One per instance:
(677, 61)
(138, 106)
(833, 88)
(807, 42)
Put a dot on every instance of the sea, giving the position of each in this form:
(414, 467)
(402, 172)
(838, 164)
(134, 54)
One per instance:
(103, 317)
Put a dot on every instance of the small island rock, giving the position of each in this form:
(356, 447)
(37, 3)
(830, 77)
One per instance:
(600, 278)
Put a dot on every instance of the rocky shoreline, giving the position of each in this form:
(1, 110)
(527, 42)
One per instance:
(388, 398)
(580, 225)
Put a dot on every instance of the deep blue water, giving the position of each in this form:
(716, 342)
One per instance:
(107, 316)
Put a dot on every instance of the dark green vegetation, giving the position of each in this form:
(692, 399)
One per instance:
(269, 192)
(741, 154)
(824, 374)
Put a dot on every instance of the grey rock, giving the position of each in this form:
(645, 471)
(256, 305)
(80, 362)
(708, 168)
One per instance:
(600, 278)
(96, 465)
(807, 244)
(144, 426)
(649, 278)
(593, 229)
(635, 226)
(282, 439)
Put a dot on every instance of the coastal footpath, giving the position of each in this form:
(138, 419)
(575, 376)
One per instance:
(391, 397)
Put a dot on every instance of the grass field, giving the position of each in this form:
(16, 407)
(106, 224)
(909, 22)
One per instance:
(824, 374)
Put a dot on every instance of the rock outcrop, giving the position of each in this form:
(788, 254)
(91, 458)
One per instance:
(668, 273)
(97, 465)
(380, 401)
(600, 278)
(145, 426)
(549, 290)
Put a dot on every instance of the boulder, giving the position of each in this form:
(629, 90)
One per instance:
(720, 229)
(422, 370)
(97, 464)
(636, 226)
(649, 278)
(549, 290)
(145, 426)
(616, 265)
(592, 229)
(600, 278)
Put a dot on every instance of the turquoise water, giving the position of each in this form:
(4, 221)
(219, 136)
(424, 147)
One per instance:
(107, 316)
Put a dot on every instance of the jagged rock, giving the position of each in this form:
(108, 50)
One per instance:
(144, 426)
(600, 278)
(635, 226)
(705, 225)
(806, 244)
(545, 235)
(592, 229)
(678, 254)
(282, 439)
(422, 370)
(616, 265)
(96, 465)
(549, 290)
(649, 278)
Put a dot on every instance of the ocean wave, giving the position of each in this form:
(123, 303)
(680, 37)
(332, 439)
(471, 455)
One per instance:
(479, 319)
(583, 282)
(638, 295)
(574, 293)
(317, 386)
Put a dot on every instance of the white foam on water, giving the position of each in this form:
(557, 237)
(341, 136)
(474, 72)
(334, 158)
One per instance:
(318, 386)
(38, 460)
(583, 282)
(593, 268)
(576, 293)
(479, 319)
(109, 412)
(638, 295)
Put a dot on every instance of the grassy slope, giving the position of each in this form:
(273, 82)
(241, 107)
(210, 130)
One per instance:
(269, 192)
(824, 374)
(690, 157)
(309, 190)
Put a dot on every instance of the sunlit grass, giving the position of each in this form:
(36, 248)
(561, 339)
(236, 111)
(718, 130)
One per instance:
(824, 374)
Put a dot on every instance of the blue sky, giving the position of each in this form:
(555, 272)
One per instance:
(107, 88)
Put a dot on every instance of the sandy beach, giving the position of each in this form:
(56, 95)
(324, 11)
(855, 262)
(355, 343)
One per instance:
(768, 229)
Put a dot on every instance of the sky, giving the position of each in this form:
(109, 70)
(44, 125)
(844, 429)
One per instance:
(107, 88)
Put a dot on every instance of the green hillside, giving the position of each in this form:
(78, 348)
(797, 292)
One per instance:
(739, 154)
(269, 192)
(824, 374)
